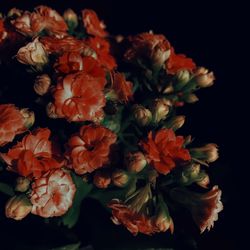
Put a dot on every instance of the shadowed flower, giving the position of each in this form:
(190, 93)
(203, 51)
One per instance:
(164, 150)
(52, 194)
(92, 23)
(3, 32)
(177, 62)
(33, 156)
(12, 123)
(203, 207)
(79, 97)
(90, 148)
(102, 179)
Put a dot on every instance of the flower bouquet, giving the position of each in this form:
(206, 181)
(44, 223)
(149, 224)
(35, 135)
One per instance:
(96, 116)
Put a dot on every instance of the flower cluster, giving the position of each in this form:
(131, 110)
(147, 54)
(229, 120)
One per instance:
(103, 119)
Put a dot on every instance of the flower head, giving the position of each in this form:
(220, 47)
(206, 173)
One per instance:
(52, 194)
(33, 156)
(164, 150)
(90, 148)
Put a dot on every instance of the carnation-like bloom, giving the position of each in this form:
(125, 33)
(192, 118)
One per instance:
(90, 148)
(12, 122)
(52, 194)
(79, 97)
(92, 23)
(123, 89)
(203, 207)
(148, 46)
(33, 156)
(177, 62)
(164, 149)
(133, 221)
(102, 49)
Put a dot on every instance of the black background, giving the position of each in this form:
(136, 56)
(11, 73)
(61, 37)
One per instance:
(214, 35)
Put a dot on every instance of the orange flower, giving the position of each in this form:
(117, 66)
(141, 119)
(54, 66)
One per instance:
(123, 89)
(92, 23)
(178, 62)
(43, 18)
(79, 97)
(164, 150)
(65, 44)
(33, 156)
(148, 46)
(102, 49)
(71, 62)
(133, 221)
(12, 123)
(52, 194)
(90, 148)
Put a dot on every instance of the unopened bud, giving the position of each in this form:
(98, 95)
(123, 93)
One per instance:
(18, 207)
(176, 122)
(159, 56)
(191, 98)
(136, 162)
(142, 115)
(71, 18)
(28, 117)
(102, 179)
(160, 109)
(51, 111)
(208, 153)
(204, 182)
(119, 38)
(42, 84)
(168, 90)
(183, 76)
(120, 178)
(204, 78)
(22, 184)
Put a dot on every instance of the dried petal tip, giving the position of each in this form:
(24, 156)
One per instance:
(18, 207)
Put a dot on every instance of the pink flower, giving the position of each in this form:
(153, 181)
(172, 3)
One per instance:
(52, 194)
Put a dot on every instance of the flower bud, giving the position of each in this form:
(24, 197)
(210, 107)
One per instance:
(120, 178)
(164, 222)
(176, 123)
(18, 207)
(135, 162)
(208, 153)
(28, 116)
(22, 184)
(42, 84)
(183, 76)
(191, 98)
(160, 109)
(102, 179)
(71, 18)
(51, 111)
(159, 56)
(142, 115)
(33, 54)
(204, 78)
(204, 182)
(168, 90)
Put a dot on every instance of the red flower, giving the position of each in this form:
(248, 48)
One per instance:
(52, 194)
(133, 221)
(71, 62)
(178, 62)
(148, 46)
(102, 49)
(122, 88)
(33, 156)
(12, 123)
(80, 97)
(92, 23)
(90, 148)
(164, 150)
(65, 44)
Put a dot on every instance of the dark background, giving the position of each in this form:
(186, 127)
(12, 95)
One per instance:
(214, 35)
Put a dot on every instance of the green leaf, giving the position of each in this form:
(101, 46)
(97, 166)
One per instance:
(69, 247)
(83, 189)
(6, 189)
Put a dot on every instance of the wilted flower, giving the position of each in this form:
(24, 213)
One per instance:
(135, 162)
(42, 84)
(120, 178)
(22, 184)
(143, 116)
(52, 194)
(204, 78)
(102, 179)
(18, 207)
(33, 54)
